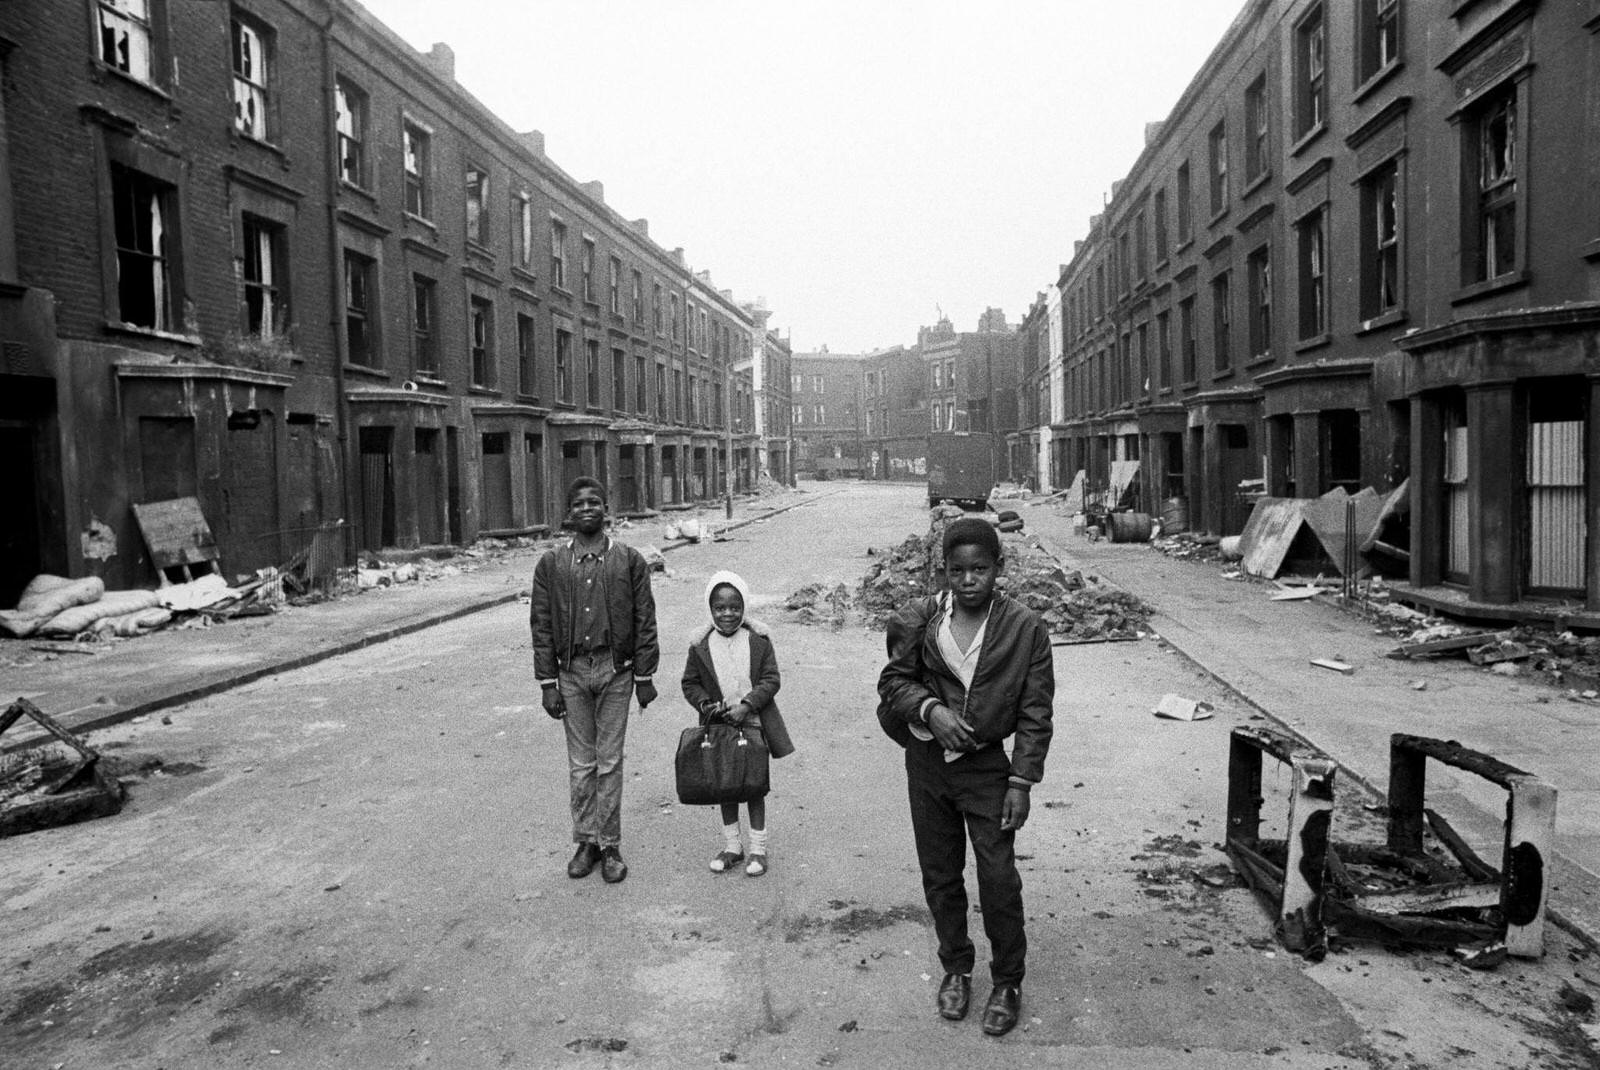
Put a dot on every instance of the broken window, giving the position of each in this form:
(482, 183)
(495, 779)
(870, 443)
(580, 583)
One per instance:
(1219, 168)
(586, 266)
(638, 297)
(1260, 303)
(563, 364)
(1256, 129)
(350, 117)
(1191, 342)
(125, 38)
(591, 386)
(482, 317)
(1379, 30)
(1311, 84)
(143, 209)
(614, 285)
(1221, 323)
(1495, 128)
(424, 347)
(522, 228)
(266, 297)
(414, 145)
(250, 47)
(477, 197)
(527, 354)
(358, 309)
(558, 254)
(1312, 236)
(1380, 241)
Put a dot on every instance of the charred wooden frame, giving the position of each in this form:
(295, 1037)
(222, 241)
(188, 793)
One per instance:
(80, 791)
(1419, 899)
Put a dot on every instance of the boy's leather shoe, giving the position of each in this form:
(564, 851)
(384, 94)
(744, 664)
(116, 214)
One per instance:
(1000, 1013)
(583, 860)
(955, 993)
(612, 867)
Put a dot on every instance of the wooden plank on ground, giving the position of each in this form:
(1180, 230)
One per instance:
(176, 532)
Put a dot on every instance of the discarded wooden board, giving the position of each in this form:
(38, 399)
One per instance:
(1268, 534)
(1335, 664)
(1177, 708)
(178, 537)
(1454, 644)
(48, 794)
(1496, 652)
(1298, 594)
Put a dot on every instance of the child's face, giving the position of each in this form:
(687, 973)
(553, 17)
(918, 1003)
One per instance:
(971, 571)
(727, 609)
(587, 511)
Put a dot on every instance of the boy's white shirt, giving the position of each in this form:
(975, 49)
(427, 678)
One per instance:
(963, 663)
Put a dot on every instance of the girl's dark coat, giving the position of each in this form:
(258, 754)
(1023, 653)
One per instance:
(700, 683)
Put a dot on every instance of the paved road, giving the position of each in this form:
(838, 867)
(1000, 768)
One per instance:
(360, 864)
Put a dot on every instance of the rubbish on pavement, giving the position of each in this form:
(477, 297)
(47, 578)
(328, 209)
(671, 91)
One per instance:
(1228, 547)
(52, 784)
(1177, 708)
(1497, 651)
(1296, 594)
(1458, 643)
(208, 590)
(1335, 664)
(44, 597)
(178, 537)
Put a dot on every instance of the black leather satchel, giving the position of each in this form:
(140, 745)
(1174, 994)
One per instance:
(720, 763)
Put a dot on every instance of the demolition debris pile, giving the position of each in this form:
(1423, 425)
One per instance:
(1073, 607)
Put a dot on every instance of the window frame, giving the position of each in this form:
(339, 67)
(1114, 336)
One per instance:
(563, 364)
(1310, 36)
(1376, 22)
(558, 254)
(1382, 241)
(274, 288)
(357, 105)
(366, 313)
(480, 342)
(1222, 323)
(1258, 132)
(1312, 276)
(1217, 172)
(416, 145)
(586, 269)
(148, 27)
(1258, 271)
(475, 197)
(1185, 204)
(262, 128)
(1484, 201)
(156, 180)
(527, 355)
(591, 373)
(424, 324)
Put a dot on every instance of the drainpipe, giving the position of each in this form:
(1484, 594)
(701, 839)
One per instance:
(330, 170)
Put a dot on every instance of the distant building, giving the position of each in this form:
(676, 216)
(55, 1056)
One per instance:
(826, 413)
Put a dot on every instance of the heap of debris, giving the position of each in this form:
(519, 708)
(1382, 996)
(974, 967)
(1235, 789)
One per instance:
(1078, 609)
(1187, 545)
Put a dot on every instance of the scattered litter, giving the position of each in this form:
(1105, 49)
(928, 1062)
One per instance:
(1178, 708)
(1419, 685)
(1296, 594)
(1334, 664)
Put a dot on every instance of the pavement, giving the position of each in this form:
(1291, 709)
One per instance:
(1259, 649)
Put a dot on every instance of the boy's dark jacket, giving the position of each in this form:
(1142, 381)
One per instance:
(1013, 685)
(700, 683)
(630, 607)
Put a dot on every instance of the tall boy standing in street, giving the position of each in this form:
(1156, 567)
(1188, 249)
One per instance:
(966, 669)
(594, 647)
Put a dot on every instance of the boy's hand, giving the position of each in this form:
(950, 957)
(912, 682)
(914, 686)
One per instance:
(554, 704)
(1014, 811)
(646, 692)
(950, 730)
(737, 714)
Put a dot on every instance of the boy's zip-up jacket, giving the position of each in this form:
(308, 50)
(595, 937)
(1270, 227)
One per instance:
(630, 606)
(1013, 685)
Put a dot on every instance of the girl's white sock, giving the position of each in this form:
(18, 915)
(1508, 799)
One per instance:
(758, 841)
(730, 838)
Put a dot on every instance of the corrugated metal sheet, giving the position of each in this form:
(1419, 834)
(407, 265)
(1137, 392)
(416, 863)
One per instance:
(1458, 541)
(1556, 505)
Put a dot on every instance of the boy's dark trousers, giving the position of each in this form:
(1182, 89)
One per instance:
(951, 801)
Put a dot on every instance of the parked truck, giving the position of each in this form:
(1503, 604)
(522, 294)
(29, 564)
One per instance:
(963, 467)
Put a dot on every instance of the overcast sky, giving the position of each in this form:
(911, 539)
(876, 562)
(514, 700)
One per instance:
(860, 164)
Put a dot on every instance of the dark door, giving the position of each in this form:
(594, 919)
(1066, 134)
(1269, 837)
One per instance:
(430, 503)
(21, 553)
(533, 478)
(628, 478)
(452, 485)
(377, 487)
(1238, 464)
(496, 481)
(251, 494)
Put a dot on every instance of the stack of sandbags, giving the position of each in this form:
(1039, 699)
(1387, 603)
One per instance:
(44, 598)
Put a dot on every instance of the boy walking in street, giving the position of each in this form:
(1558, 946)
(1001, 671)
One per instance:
(967, 668)
(594, 646)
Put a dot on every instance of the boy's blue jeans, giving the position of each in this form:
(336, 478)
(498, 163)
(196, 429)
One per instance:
(597, 698)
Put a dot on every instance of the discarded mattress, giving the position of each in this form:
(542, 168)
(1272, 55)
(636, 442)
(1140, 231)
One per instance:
(45, 597)
(111, 604)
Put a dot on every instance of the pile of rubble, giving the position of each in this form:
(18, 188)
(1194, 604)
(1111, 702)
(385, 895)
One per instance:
(1563, 656)
(1078, 609)
(1187, 545)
